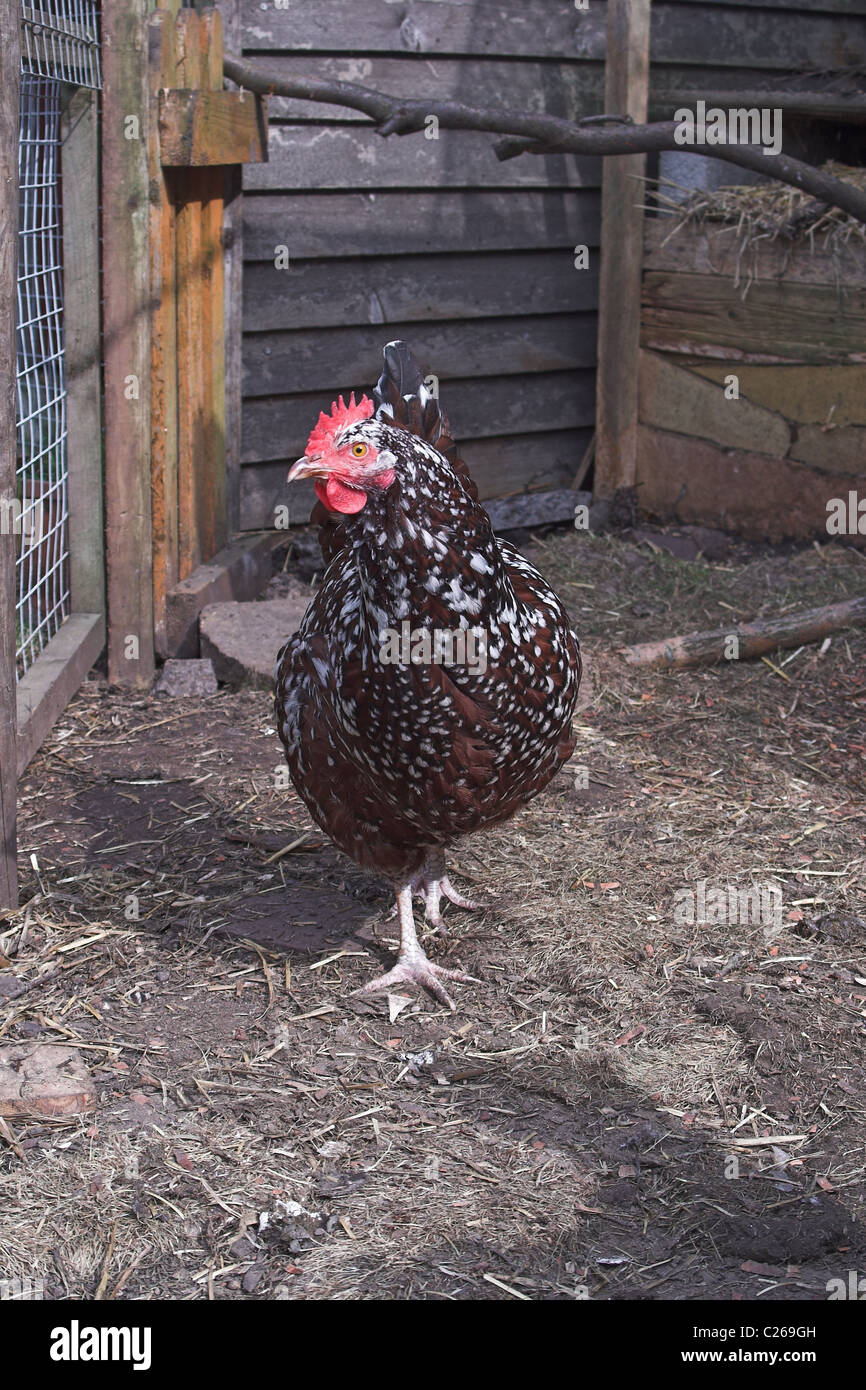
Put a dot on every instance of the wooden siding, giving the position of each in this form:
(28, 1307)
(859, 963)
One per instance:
(471, 260)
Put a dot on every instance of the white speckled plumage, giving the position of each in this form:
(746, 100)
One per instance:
(396, 761)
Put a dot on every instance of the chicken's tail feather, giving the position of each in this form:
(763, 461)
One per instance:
(404, 397)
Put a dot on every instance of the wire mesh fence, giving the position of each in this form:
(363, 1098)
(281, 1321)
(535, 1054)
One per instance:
(60, 45)
(41, 465)
(60, 39)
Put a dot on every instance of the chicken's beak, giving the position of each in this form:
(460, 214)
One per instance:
(306, 467)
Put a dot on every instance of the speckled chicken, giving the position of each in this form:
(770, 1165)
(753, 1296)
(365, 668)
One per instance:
(430, 688)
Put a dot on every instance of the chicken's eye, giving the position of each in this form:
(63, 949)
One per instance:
(359, 450)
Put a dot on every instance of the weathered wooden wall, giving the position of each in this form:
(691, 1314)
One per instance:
(766, 456)
(435, 241)
(471, 260)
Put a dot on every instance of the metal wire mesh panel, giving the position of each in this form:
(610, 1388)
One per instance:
(60, 38)
(41, 471)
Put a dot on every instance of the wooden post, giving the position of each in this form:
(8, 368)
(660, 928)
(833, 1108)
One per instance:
(162, 37)
(200, 343)
(233, 269)
(126, 319)
(625, 93)
(10, 65)
(80, 158)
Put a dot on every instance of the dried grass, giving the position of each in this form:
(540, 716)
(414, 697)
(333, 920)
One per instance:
(769, 214)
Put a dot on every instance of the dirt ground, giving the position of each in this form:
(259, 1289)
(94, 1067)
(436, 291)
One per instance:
(629, 1105)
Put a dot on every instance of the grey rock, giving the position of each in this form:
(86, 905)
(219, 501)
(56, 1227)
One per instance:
(193, 677)
(242, 639)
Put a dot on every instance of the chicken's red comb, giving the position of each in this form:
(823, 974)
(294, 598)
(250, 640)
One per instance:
(328, 426)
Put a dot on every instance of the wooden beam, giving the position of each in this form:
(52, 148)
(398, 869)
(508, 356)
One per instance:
(707, 316)
(233, 291)
(126, 320)
(202, 529)
(626, 92)
(80, 155)
(536, 508)
(10, 65)
(238, 574)
(162, 53)
(49, 684)
(208, 127)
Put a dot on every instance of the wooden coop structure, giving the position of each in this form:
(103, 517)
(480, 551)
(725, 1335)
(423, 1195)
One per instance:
(119, 414)
(752, 385)
(52, 596)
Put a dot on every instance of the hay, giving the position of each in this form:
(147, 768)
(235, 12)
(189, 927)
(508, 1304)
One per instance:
(758, 215)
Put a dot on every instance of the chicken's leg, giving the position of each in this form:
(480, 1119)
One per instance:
(433, 884)
(412, 966)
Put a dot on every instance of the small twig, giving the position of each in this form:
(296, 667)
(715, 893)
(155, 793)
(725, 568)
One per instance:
(287, 849)
(106, 1264)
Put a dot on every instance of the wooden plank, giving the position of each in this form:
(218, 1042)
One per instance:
(536, 508)
(80, 163)
(531, 28)
(10, 67)
(233, 290)
(213, 486)
(192, 408)
(704, 315)
(394, 223)
(49, 684)
(204, 127)
(716, 251)
(697, 34)
(731, 36)
(162, 46)
(352, 156)
(331, 360)
(832, 396)
(233, 252)
(840, 7)
(278, 427)
(320, 294)
(200, 338)
(500, 467)
(550, 88)
(669, 81)
(626, 90)
(674, 398)
(126, 327)
(841, 450)
(764, 498)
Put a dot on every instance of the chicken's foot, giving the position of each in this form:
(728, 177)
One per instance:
(433, 884)
(413, 966)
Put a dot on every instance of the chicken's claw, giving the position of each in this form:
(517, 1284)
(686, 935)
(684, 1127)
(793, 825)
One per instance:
(417, 969)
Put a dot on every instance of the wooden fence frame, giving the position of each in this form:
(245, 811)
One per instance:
(30, 707)
(626, 92)
(171, 257)
(10, 69)
(46, 688)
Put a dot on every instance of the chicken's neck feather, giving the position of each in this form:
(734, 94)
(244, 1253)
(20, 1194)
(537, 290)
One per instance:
(424, 550)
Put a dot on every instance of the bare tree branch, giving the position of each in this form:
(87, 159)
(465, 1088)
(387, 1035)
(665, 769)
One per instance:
(609, 135)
